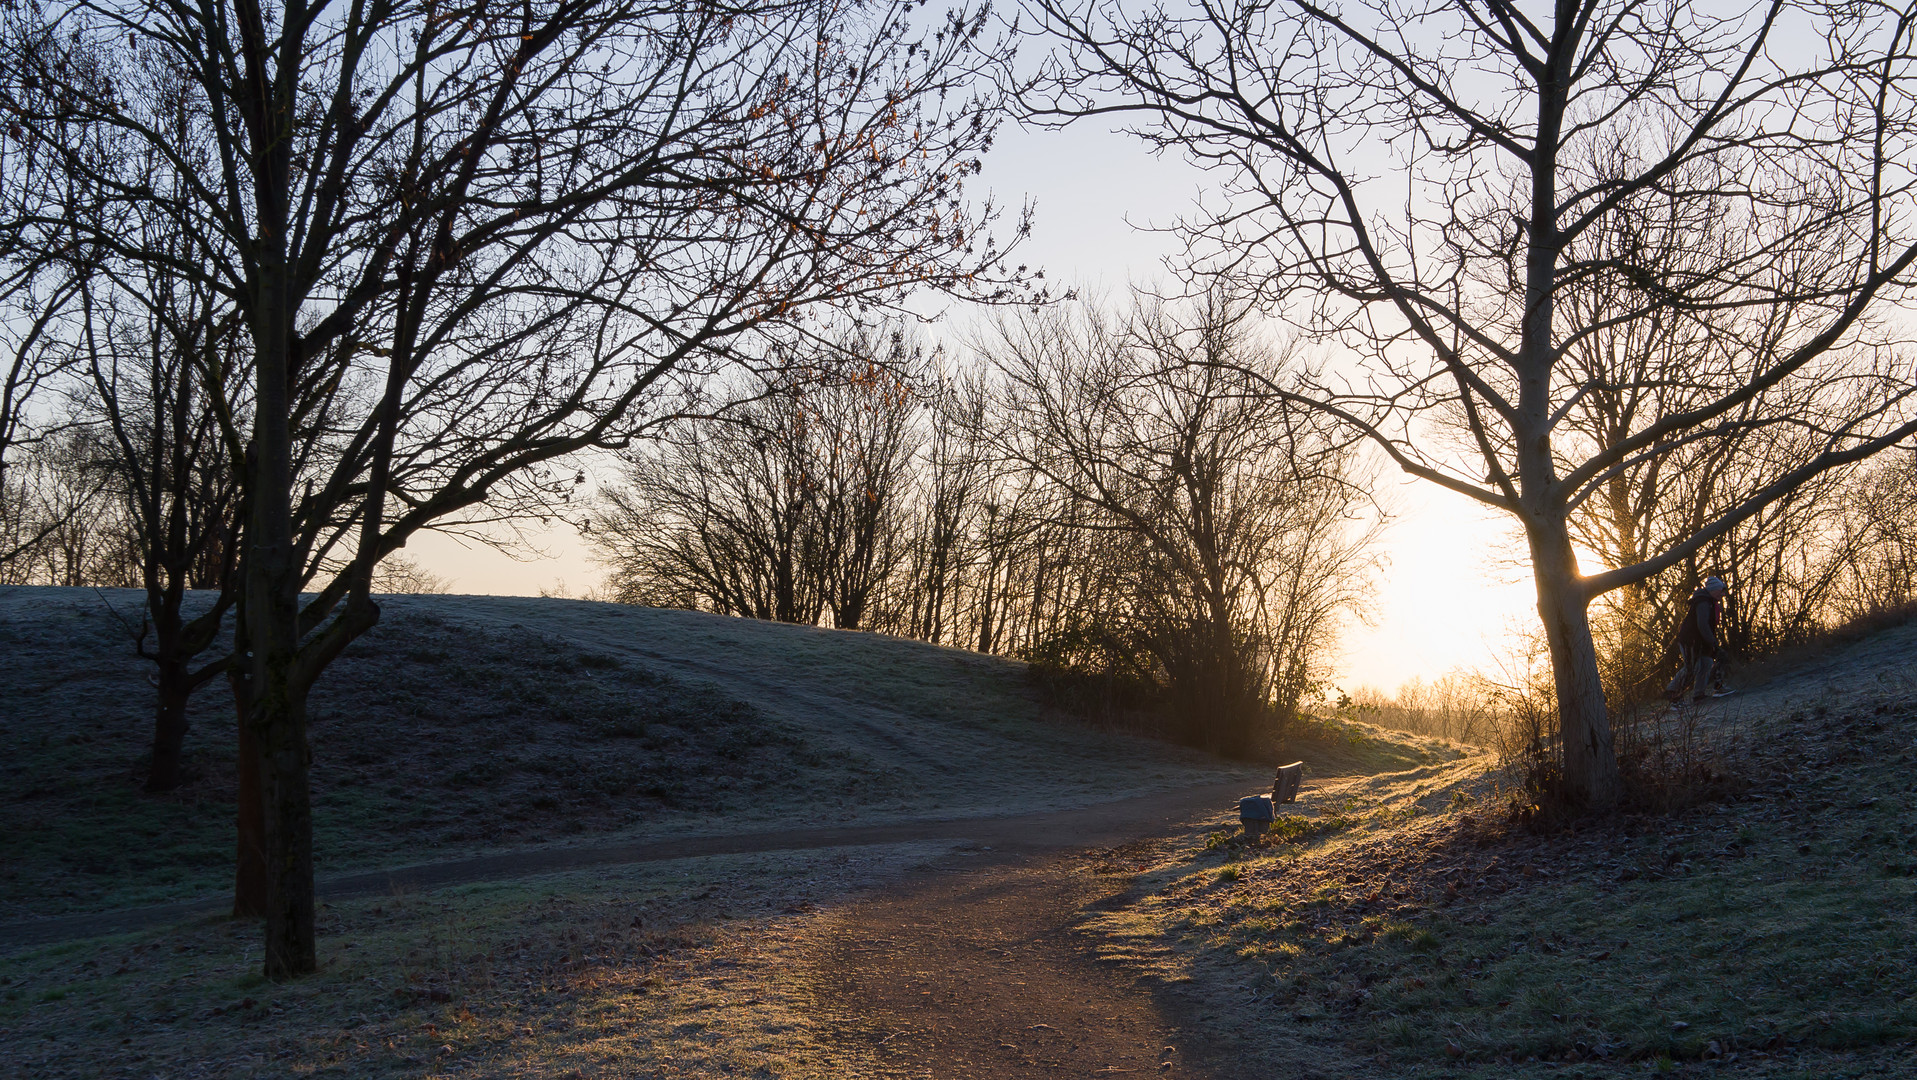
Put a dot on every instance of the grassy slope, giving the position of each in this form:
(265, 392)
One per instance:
(468, 724)
(1410, 926)
(481, 723)
(584, 716)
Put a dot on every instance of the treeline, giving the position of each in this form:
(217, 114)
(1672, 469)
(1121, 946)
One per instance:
(74, 511)
(1123, 498)
(59, 522)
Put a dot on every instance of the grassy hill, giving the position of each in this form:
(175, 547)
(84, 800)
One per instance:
(1411, 926)
(481, 724)
(1406, 923)
(484, 725)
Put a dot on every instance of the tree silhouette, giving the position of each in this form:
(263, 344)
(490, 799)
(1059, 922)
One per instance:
(466, 240)
(1420, 185)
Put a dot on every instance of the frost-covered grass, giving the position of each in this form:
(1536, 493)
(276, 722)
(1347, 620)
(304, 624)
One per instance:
(1407, 925)
(469, 725)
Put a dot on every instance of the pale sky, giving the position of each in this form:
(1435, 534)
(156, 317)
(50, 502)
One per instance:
(1450, 593)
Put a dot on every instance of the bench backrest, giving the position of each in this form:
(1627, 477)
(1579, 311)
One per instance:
(1284, 788)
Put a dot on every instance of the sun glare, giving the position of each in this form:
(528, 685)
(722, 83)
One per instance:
(1453, 595)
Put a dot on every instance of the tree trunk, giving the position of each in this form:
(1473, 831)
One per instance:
(279, 723)
(1584, 722)
(249, 864)
(169, 726)
(851, 613)
(276, 713)
(1590, 762)
(985, 618)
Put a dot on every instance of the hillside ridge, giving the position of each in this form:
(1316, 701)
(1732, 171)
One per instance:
(463, 726)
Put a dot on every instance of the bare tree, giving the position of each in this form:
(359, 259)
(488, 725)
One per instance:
(156, 351)
(1642, 359)
(1010, 528)
(39, 289)
(1415, 184)
(30, 311)
(870, 422)
(1224, 514)
(1098, 498)
(66, 526)
(717, 515)
(467, 241)
(399, 574)
(48, 219)
(148, 483)
(1882, 528)
(786, 505)
(956, 473)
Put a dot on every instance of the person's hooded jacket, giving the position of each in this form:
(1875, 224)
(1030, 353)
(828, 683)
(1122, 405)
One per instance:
(1702, 623)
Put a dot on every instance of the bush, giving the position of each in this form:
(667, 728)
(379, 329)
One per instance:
(1111, 682)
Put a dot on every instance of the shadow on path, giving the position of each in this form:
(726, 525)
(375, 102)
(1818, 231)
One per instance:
(1101, 824)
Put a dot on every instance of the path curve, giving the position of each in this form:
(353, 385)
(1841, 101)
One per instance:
(981, 973)
(1101, 824)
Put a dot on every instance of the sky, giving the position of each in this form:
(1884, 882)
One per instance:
(1449, 595)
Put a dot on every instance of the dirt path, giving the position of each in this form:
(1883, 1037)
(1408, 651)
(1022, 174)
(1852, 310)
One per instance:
(972, 972)
(968, 968)
(1102, 824)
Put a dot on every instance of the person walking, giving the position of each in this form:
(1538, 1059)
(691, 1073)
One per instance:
(1700, 641)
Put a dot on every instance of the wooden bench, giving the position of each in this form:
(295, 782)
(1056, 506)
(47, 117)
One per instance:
(1284, 786)
(1256, 812)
